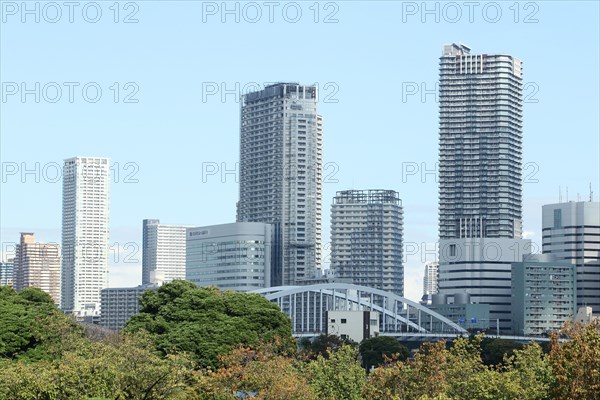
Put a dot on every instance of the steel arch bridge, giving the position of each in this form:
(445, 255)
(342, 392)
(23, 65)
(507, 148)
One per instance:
(307, 307)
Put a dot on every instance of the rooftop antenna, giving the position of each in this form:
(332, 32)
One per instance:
(591, 193)
(567, 194)
(560, 194)
(578, 197)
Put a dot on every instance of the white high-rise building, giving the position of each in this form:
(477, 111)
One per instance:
(281, 175)
(430, 279)
(571, 232)
(366, 238)
(480, 164)
(85, 234)
(163, 253)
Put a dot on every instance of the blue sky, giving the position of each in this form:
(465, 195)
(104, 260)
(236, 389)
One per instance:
(180, 55)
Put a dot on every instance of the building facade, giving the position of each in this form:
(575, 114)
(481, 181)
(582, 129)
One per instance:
(480, 152)
(366, 238)
(571, 232)
(7, 272)
(235, 256)
(469, 315)
(37, 265)
(85, 234)
(482, 268)
(430, 278)
(163, 252)
(281, 174)
(354, 325)
(543, 295)
(480, 175)
(120, 304)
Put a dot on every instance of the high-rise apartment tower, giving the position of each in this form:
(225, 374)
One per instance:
(85, 230)
(281, 174)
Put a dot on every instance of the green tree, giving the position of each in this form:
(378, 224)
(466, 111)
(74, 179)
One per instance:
(261, 371)
(31, 327)
(338, 376)
(423, 377)
(324, 345)
(373, 351)
(206, 322)
(123, 368)
(494, 351)
(575, 362)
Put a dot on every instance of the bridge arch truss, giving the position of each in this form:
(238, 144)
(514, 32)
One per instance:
(307, 307)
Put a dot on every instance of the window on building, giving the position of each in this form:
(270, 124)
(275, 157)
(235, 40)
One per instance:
(557, 218)
(343, 320)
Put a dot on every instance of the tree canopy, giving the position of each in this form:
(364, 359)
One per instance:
(205, 322)
(31, 327)
(373, 351)
(45, 355)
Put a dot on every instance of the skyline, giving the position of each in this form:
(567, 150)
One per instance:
(388, 121)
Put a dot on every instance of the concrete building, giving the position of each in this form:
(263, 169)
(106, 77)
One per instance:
(120, 304)
(85, 234)
(366, 238)
(37, 265)
(353, 325)
(585, 316)
(543, 295)
(481, 101)
(571, 232)
(7, 272)
(163, 252)
(480, 168)
(235, 256)
(462, 311)
(482, 267)
(281, 174)
(430, 278)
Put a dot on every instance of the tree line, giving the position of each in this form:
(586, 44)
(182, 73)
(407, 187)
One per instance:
(201, 343)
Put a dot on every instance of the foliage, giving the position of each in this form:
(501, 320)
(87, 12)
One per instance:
(338, 376)
(373, 351)
(193, 343)
(260, 371)
(324, 345)
(460, 373)
(125, 368)
(31, 327)
(494, 350)
(576, 363)
(206, 322)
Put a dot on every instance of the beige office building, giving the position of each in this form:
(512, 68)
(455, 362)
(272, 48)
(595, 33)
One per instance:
(37, 265)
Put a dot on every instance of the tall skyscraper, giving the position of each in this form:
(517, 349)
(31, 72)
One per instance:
(37, 265)
(281, 166)
(85, 230)
(430, 278)
(163, 253)
(480, 167)
(571, 232)
(366, 238)
(481, 101)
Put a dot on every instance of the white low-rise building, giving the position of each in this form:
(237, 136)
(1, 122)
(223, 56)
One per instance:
(353, 325)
